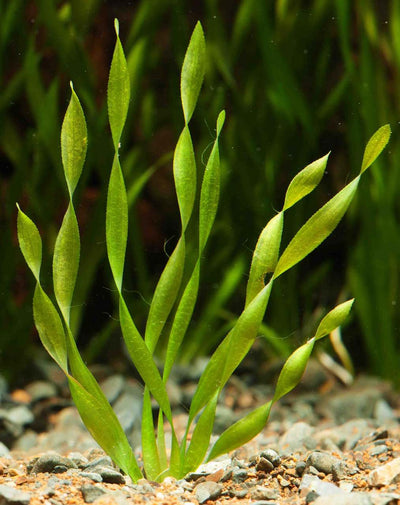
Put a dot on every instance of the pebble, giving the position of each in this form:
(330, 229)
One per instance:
(351, 499)
(12, 496)
(271, 456)
(385, 474)
(311, 483)
(322, 446)
(208, 491)
(323, 462)
(264, 465)
(90, 492)
(51, 463)
(264, 493)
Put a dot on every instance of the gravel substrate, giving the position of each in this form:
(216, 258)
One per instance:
(324, 444)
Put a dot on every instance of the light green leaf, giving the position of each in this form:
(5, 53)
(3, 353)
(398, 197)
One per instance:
(316, 229)
(142, 359)
(50, 328)
(182, 319)
(117, 222)
(108, 433)
(151, 458)
(73, 142)
(30, 242)
(184, 167)
(193, 71)
(265, 256)
(200, 437)
(118, 92)
(241, 432)
(293, 370)
(66, 262)
(334, 319)
(209, 194)
(305, 181)
(375, 146)
(165, 295)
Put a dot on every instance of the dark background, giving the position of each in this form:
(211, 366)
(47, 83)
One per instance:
(297, 79)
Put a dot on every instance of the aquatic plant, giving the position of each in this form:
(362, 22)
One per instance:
(176, 293)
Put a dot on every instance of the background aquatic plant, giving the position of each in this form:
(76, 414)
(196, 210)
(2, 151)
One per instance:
(176, 293)
(338, 78)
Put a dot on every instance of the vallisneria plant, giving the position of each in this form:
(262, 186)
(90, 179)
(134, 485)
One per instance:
(174, 299)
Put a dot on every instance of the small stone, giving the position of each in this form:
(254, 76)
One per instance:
(100, 461)
(52, 463)
(90, 493)
(79, 459)
(271, 456)
(112, 387)
(208, 491)
(40, 390)
(264, 493)
(383, 412)
(12, 496)
(350, 499)
(95, 477)
(110, 475)
(300, 467)
(311, 483)
(264, 465)
(386, 474)
(239, 475)
(322, 461)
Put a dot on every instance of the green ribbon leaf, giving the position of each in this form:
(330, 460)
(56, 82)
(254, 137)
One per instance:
(117, 222)
(334, 319)
(66, 261)
(118, 91)
(193, 71)
(30, 242)
(375, 146)
(73, 142)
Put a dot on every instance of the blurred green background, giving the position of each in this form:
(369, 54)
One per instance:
(297, 79)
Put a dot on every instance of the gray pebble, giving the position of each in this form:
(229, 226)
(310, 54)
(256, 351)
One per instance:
(79, 459)
(110, 475)
(312, 483)
(264, 465)
(239, 475)
(52, 463)
(300, 467)
(383, 412)
(11, 496)
(322, 461)
(112, 387)
(271, 456)
(40, 390)
(100, 461)
(208, 491)
(350, 499)
(90, 493)
(264, 493)
(95, 477)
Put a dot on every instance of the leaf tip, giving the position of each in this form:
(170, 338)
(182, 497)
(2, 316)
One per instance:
(220, 121)
(116, 26)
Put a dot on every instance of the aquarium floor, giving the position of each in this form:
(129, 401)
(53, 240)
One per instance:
(334, 444)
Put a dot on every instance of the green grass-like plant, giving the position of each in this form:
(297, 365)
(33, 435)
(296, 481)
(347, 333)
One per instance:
(176, 293)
